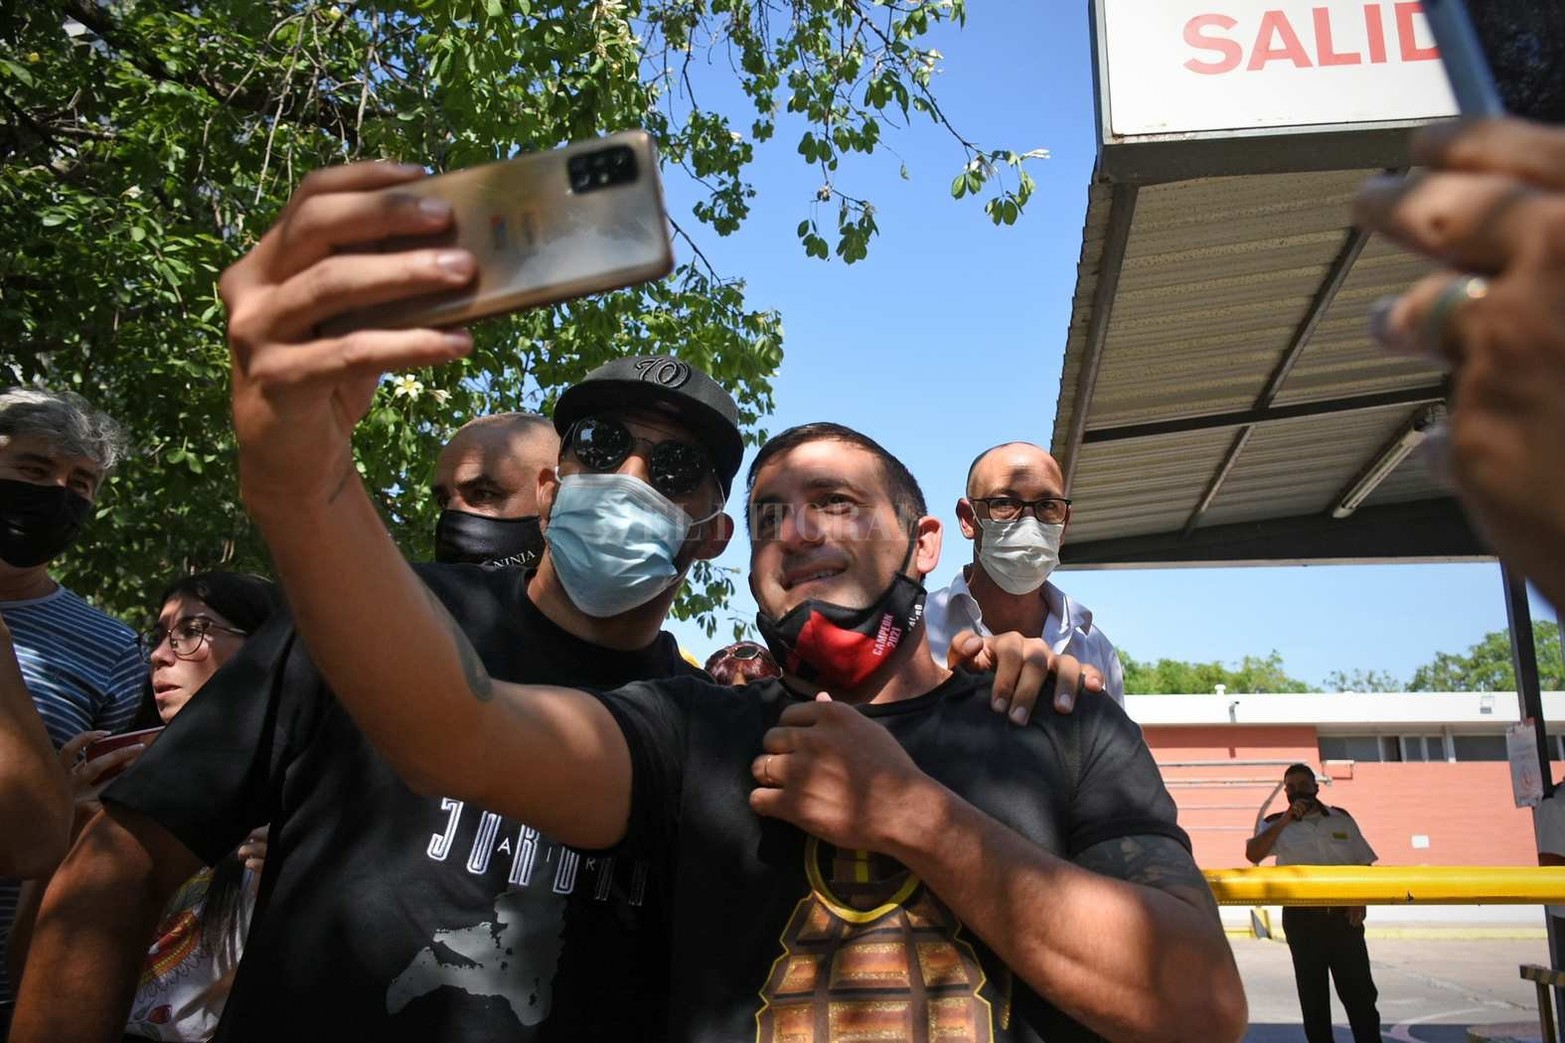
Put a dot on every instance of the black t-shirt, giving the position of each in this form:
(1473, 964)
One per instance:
(385, 915)
(778, 935)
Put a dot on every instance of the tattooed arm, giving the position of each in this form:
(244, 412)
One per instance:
(1157, 862)
(395, 658)
(1126, 940)
(555, 759)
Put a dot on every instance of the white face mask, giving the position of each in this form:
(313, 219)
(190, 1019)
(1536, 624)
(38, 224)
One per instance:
(1019, 555)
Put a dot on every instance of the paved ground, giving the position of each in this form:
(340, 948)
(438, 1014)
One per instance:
(1431, 990)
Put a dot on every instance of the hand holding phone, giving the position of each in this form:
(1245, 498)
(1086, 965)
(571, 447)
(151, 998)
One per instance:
(99, 767)
(543, 227)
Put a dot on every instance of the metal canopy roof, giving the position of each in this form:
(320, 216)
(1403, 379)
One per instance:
(1221, 397)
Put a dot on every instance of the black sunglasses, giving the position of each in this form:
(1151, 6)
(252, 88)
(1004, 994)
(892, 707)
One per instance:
(675, 468)
(745, 650)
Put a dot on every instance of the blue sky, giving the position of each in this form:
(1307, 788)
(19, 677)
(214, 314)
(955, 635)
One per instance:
(950, 337)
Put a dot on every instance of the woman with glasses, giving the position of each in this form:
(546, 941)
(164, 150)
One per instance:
(202, 622)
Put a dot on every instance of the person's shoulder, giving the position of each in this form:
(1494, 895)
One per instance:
(943, 595)
(1089, 710)
(1079, 617)
(452, 580)
(1337, 809)
(81, 612)
(681, 688)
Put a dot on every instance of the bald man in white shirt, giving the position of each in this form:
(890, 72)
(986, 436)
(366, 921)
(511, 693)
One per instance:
(1016, 513)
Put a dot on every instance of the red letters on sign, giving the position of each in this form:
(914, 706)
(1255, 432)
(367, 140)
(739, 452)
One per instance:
(1232, 53)
(1275, 23)
(1377, 34)
(1411, 52)
(1325, 54)
(1276, 40)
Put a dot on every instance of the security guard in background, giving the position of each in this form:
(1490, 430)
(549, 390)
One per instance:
(1322, 940)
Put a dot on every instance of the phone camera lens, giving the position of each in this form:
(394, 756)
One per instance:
(601, 169)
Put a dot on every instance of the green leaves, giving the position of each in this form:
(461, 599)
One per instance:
(1487, 667)
(158, 148)
(1174, 677)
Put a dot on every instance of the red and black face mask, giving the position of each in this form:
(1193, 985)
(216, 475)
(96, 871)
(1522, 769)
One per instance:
(839, 647)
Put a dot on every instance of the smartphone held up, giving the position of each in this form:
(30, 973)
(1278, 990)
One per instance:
(110, 743)
(544, 227)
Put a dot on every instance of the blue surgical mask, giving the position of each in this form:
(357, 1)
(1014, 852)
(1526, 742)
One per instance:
(614, 541)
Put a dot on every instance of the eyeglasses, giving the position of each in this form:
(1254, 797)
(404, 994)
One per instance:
(185, 637)
(1051, 510)
(745, 650)
(675, 468)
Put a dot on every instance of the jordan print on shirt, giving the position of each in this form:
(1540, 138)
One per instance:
(514, 953)
(511, 958)
(870, 953)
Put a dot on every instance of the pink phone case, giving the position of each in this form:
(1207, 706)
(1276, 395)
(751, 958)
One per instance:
(111, 743)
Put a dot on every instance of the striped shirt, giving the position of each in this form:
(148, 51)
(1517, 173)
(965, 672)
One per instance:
(83, 670)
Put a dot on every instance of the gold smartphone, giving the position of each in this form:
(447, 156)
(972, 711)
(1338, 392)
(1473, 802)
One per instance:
(544, 227)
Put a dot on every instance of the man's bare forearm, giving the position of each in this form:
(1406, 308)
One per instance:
(1117, 954)
(418, 690)
(35, 800)
(97, 918)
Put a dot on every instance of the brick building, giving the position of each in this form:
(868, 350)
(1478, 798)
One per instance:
(1424, 774)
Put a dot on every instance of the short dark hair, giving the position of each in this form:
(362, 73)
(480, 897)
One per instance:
(244, 600)
(532, 423)
(907, 499)
(1299, 769)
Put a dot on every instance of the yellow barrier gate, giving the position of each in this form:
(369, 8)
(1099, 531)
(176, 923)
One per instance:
(1389, 885)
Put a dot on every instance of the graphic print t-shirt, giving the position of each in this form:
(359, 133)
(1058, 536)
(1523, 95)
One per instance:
(779, 936)
(390, 916)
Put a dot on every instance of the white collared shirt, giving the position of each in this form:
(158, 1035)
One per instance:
(1067, 628)
(1323, 837)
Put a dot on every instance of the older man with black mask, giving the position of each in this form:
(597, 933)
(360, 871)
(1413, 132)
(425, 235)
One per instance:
(82, 667)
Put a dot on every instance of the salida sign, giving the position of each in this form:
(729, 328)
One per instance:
(1180, 66)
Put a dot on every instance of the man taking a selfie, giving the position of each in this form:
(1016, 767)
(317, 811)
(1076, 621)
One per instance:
(387, 913)
(1112, 954)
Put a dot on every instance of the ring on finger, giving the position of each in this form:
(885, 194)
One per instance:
(1437, 322)
(766, 770)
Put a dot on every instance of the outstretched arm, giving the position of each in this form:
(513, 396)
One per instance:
(553, 758)
(97, 919)
(35, 801)
(1114, 940)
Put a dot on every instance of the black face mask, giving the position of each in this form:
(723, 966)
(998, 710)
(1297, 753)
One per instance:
(482, 540)
(843, 647)
(37, 522)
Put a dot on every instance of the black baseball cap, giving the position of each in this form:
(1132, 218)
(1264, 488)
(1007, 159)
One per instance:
(661, 383)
